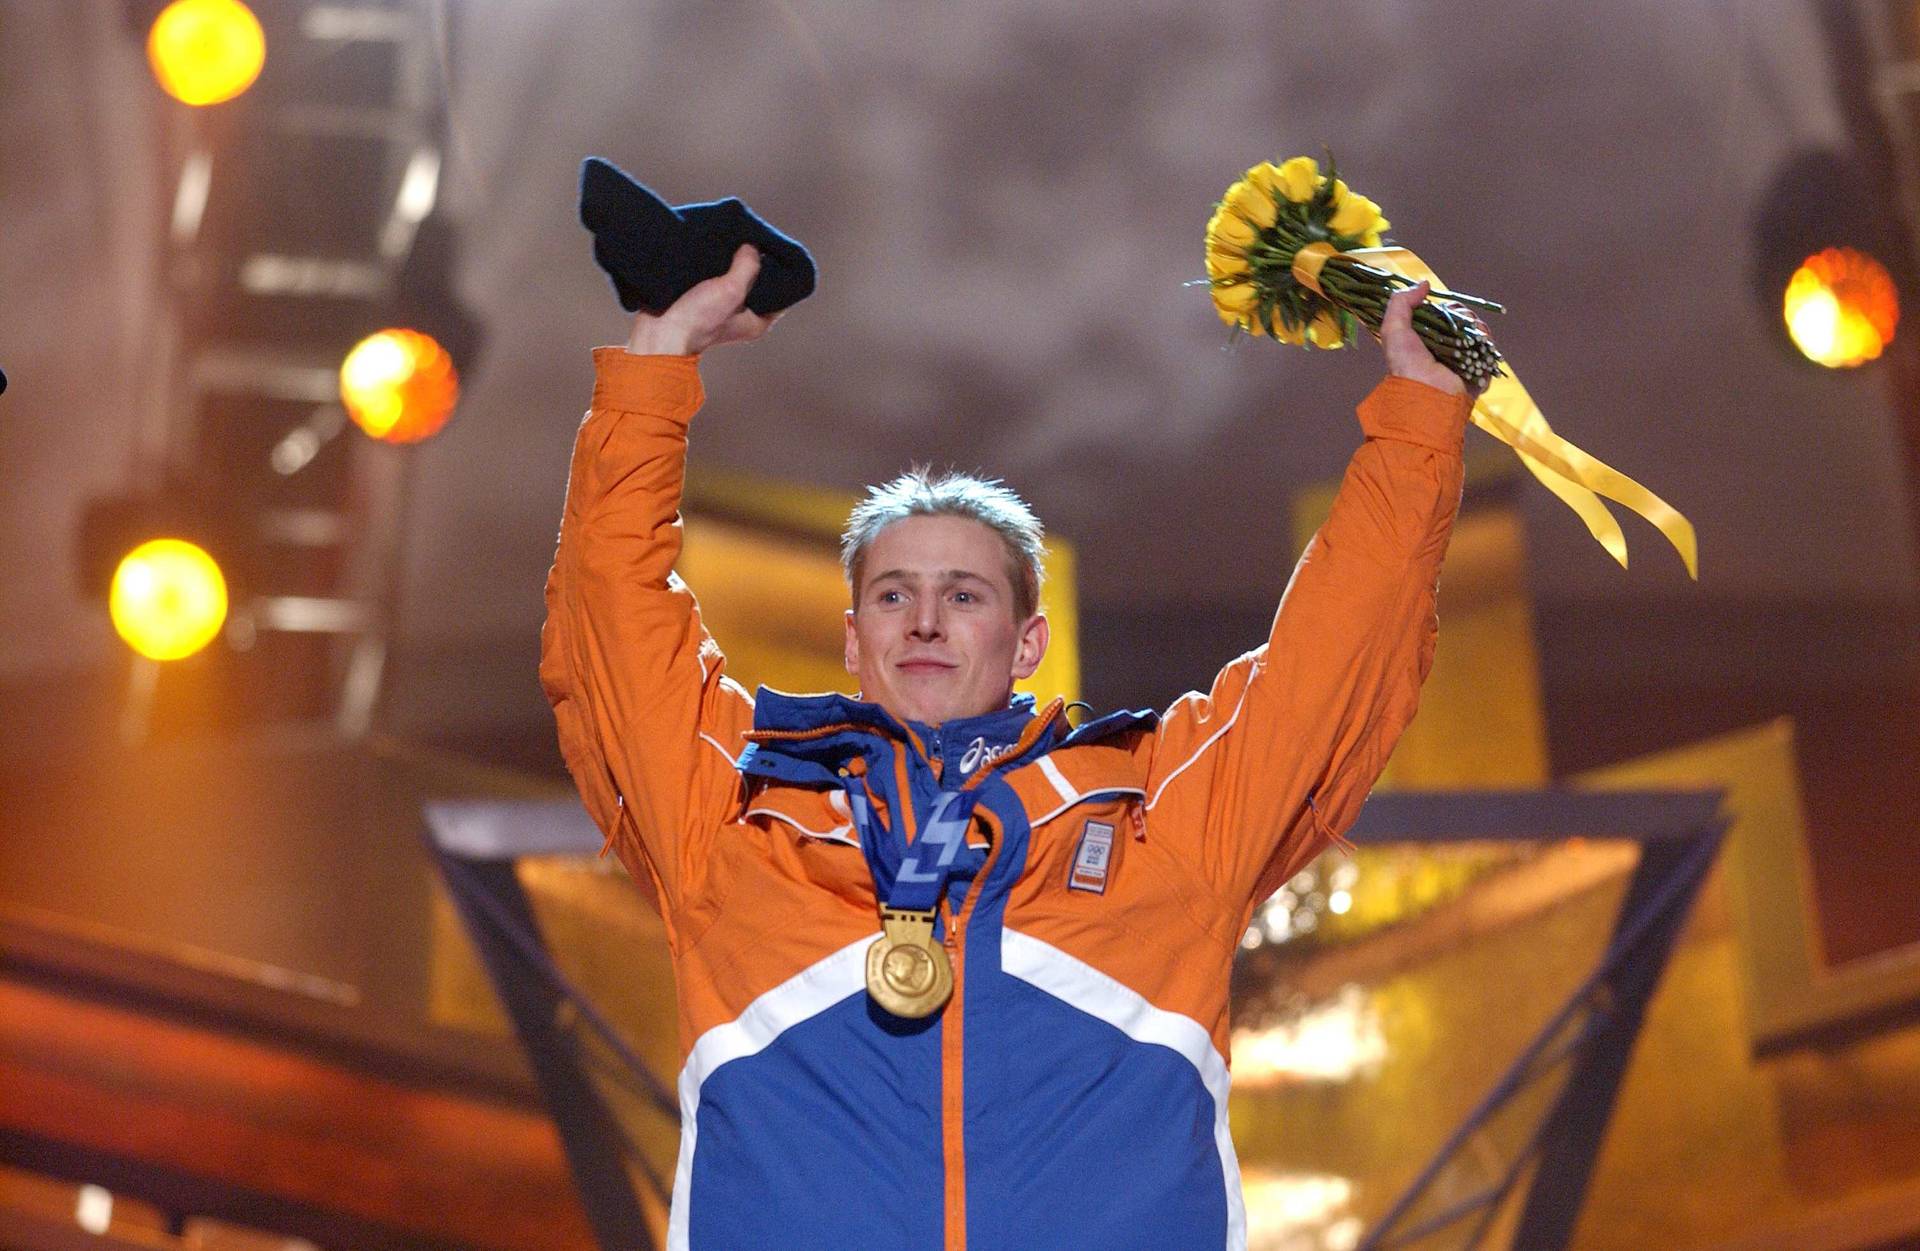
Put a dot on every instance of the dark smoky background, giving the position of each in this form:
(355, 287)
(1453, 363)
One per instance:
(1005, 201)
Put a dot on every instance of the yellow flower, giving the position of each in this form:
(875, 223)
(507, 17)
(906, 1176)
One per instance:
(1235, 303)
(1225, 264)
(1297, 178)
(1266, 176)
(1285, 333)
(1252, 202)
(1356, 215)
(1325, 331)
(1227, 232)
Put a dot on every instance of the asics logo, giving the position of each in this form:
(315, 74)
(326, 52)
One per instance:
(978, 753)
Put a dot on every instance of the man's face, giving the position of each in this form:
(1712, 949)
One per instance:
(932, 634)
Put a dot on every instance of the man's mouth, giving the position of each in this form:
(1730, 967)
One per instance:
(923, 666)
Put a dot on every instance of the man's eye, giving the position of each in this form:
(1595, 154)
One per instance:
(890, 597)
(965, 597)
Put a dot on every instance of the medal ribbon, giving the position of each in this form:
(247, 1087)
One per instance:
(1509, 414)
(913, 878)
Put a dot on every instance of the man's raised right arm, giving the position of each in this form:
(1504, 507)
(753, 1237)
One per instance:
(648, 724)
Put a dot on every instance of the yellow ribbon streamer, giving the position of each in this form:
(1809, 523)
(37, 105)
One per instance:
(1508, 413)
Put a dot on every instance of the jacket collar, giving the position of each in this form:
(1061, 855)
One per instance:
(813, 734)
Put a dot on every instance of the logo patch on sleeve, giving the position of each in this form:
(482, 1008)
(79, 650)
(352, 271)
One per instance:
(1092, 859)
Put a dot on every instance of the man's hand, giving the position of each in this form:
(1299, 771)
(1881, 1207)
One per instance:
(1407, 356)
(710, 314)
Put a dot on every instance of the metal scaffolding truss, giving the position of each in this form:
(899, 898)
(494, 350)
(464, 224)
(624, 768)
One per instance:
(476, 844)
(292, 219)
(1589, 1039)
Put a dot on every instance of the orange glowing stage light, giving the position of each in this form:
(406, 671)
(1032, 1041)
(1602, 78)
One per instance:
(169, 599)
(1841, 308)
(399, 386)
(206, 51)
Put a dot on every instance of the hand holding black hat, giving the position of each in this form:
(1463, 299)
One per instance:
(655, 253)
(711, 314)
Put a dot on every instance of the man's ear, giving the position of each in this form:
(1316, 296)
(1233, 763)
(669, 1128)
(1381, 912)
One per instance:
(1032, 647)
(852, 657)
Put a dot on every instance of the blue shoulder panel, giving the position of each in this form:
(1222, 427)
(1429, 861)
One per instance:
(1111, 724)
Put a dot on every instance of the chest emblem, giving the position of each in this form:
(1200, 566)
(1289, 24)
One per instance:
(1092, 859)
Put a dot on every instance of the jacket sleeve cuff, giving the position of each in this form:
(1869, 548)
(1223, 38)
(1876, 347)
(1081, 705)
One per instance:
(1413, 412)
(667, 386)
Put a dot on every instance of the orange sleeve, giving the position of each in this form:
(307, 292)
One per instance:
(1256, 777)
(648, 723)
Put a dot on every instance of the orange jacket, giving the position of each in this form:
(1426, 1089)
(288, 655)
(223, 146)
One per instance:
(1081, 1017)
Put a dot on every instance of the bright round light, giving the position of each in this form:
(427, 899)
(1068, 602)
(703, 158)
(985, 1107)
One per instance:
(206, 51)
(399, 386)
(1841, 308)
(168, 599)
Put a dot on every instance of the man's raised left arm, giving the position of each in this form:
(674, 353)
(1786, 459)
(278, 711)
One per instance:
(1276, 760)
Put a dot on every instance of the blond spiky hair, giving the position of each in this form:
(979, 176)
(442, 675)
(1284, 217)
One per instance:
(989, 501)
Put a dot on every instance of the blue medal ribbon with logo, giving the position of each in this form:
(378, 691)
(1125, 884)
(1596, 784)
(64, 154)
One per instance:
(908, 972)
(913, 877)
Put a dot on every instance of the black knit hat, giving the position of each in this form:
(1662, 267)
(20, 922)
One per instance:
(654, 252)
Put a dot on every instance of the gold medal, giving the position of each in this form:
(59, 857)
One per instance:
(908, 973)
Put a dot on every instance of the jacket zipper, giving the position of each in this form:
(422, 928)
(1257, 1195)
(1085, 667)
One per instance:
(952, 1038)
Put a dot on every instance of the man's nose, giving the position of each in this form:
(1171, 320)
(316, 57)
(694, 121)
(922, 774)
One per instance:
(926, 619)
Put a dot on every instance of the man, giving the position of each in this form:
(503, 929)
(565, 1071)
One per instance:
(951, 973)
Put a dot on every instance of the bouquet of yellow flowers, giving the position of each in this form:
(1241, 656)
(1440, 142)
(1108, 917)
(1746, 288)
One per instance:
(1296, 255)
(1282, 261)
